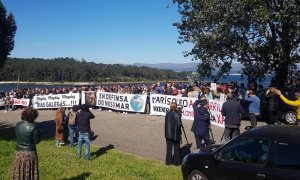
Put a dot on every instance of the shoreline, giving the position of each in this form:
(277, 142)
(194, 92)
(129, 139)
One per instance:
(82, 83)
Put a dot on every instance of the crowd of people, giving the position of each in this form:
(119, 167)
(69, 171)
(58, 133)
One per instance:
(179, 89)
(76, 124)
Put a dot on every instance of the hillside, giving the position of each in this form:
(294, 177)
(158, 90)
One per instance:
(179, 67)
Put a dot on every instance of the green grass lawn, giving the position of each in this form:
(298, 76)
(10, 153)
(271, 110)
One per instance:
(105, 163)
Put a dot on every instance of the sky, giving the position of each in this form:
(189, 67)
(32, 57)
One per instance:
(101, 31)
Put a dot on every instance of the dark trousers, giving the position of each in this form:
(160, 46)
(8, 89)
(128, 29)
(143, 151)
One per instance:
(173, 158)
(273, 117)
(253, 121)
(199, 139)
(230, 133)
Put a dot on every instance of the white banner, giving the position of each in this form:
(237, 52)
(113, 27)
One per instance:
(55, 101)
(21, 102)
(160, 105)
(215, 107)
(122, 102)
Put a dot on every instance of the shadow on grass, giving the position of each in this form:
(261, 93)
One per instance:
(7, 131)
(79, 177)
(47, 128)
(185, 150)
(101, 151)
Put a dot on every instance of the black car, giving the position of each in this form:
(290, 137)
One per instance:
(266, 152)
(286, 113)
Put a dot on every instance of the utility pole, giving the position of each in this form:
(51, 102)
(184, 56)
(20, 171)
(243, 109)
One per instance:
(18, 80)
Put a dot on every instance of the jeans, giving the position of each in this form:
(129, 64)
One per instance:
(72, 129)
(199, 138)
(273, 117)
(252, 117)
(6, 107)
(173, 152)
(230, 133)
(84, 137)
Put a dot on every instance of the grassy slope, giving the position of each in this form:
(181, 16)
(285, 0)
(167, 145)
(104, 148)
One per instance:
(61, 163)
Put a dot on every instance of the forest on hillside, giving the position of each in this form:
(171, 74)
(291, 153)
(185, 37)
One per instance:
(72, 70)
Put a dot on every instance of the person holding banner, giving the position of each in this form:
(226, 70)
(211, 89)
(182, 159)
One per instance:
(232, 111)
(173, 135)
(201, 123)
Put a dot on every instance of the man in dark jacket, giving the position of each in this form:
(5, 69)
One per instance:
(232, 111)
(201, 123)
(173, 135)
(84, 128)
(272, 107)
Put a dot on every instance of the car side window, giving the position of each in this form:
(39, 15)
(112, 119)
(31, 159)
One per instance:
(287, 155)
(247, 150)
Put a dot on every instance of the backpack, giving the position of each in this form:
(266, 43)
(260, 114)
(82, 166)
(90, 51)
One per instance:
(72, 118)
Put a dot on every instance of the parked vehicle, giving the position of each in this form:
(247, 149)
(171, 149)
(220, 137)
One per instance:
(267, 152)
(286, 113)
(2, 99)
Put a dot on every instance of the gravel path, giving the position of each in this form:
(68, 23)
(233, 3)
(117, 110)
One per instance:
(138, 134)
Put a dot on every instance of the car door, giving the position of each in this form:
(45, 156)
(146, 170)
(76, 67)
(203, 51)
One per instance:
(244, 158)
(286, 159)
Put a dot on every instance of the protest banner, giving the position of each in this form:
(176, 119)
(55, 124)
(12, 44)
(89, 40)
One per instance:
(55, 101)
(215, 107)
(122, 102)
(222, 97)
(21, 102)
(89, 98)
(160, 105)
(213, 86)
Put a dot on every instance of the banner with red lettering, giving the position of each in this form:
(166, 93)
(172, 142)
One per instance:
(160, 105)
(215, 107)
(21, 102)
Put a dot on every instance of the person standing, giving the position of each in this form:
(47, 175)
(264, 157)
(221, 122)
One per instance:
(201, 123)
(232, 111)
(242, 91)
(254, 107)
(173, 135)
(84, 127)
(25, 165)
(272, 107)
(7, 102)
(72, 126)
(60, 126)
(295, 103)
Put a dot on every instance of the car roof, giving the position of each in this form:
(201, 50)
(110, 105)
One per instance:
(275, 130)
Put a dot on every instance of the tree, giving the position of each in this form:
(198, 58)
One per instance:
(261, 34)
(8, 30)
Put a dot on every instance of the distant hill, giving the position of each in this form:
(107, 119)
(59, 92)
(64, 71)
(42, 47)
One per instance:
(170, 66)
(179, 67)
